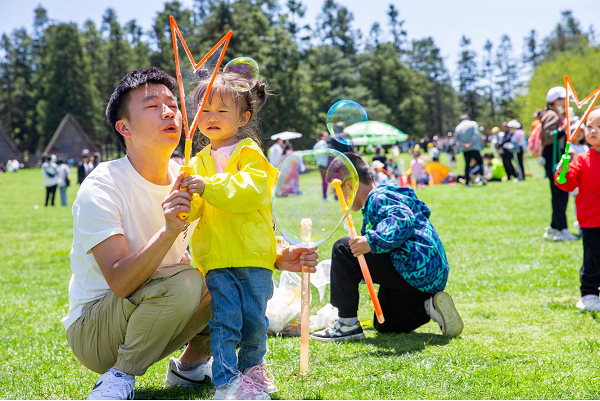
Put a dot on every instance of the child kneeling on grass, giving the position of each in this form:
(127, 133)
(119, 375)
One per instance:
(405, 257)
(584, 172)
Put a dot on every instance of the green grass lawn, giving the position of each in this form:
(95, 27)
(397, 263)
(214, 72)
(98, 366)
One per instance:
(523, 336)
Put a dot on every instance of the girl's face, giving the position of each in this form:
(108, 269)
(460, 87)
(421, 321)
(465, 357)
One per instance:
(221, 119)
(592, 129)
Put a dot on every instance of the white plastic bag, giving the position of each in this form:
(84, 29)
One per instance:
(283, 309)
(325, 318)
(322, 277)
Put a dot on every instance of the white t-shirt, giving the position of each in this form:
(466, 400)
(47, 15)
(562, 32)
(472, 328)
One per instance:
(115, 199)
(275, 153)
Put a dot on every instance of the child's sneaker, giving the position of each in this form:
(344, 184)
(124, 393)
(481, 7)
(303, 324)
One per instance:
(262, 378)
(441, 309)
(589, 302)
(242, 388)
(341, 331)
(550, 233)
(187, 378)
(113, 385)
(565, 235)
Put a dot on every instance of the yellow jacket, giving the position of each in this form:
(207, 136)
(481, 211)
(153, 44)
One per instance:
(236, 226)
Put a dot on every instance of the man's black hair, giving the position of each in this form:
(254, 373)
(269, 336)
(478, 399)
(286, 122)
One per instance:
(117, 106)
(365, 173)
(488, 155)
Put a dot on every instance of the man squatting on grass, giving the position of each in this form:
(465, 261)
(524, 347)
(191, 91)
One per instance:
(405, 257)
(133, 296)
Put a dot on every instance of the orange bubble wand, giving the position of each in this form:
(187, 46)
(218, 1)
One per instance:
(337, 185)
(565, 159)
(189, 131)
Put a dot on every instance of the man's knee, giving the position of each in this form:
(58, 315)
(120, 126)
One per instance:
(185, 290)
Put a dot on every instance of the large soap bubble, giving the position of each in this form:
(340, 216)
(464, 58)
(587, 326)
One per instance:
(342, 115)
(246, 71)
(304, 192)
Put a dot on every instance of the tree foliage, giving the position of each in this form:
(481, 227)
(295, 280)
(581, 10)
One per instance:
(58, 67)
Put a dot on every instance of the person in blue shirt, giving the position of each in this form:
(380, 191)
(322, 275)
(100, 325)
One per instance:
(406, 258)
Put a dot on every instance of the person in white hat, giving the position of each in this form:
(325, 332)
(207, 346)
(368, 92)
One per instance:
(553, 130)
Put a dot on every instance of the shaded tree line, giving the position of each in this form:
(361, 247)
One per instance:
(61, 67)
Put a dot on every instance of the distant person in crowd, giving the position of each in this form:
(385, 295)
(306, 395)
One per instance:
(519, 142)
(15, 165)
(50, 175)
(553, 142)
(396, 230)
(96, 159)
(505, 150)
(275, 152)
(417, 167)
(434, 152)
(583, 173)
(476, 175)
(2, 167)
(64, 180)
(380, 156)
(323, 160)
(289, 178)
(468, 142)
(83, 168)
(493, 169)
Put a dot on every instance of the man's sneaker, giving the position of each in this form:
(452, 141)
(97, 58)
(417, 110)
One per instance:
(550, 233)
(589, 302)
(441, 309)
(341, 331)
(262, 378)
(565, 235)
(113, 385)
(242, 388)
(187, 378)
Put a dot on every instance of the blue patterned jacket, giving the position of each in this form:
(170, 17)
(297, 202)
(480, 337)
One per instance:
(396, 221)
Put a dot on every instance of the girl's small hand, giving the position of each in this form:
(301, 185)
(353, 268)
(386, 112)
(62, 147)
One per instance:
(194, 184)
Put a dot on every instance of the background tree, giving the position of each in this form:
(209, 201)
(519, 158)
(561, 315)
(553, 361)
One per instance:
(468, 79)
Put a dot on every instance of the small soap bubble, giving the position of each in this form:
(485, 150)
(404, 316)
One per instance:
(245, 72)
(342, 115)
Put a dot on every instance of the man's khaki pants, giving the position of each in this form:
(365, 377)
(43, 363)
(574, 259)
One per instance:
(169, 310)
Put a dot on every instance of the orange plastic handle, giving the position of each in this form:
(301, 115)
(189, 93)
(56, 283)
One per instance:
(337, 185)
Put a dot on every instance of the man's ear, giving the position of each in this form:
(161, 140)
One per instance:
(122, 127)
(245, 118)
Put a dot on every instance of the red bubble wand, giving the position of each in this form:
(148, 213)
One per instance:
(189, 131)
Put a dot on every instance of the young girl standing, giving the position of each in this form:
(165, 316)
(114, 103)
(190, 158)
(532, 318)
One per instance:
(234, 243)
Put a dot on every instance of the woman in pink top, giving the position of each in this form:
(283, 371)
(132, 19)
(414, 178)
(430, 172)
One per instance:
(417, 165)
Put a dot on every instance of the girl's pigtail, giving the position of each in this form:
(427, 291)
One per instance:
(261, 95)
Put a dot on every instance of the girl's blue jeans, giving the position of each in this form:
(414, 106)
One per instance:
(239, 302)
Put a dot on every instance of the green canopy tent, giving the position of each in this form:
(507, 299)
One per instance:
(373, 133)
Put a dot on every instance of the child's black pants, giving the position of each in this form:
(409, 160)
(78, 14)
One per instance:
(590, 270)
(402, 305)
